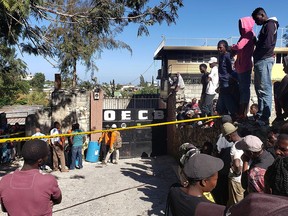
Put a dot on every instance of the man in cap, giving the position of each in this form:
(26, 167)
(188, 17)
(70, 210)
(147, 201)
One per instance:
(113, 139)
(259, 160)
(201, 172)
(236, 192)
(212, 85)
(220, 193)
(28, 191)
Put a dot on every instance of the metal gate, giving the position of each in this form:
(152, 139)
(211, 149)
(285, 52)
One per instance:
(139, 111)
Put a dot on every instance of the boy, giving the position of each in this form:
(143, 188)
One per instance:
(28, 191)
(201, 172)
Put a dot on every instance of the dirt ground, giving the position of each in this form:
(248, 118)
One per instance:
(133, 187)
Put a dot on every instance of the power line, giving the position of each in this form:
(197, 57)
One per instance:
(142, 73)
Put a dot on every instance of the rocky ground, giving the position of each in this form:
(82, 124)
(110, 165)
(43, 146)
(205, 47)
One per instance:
(133, 187)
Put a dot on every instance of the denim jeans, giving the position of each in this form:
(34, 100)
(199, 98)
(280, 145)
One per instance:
(76, 153)
(244, 86)
(263, 87)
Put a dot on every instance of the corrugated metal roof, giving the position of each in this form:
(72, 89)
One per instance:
(18, 113)
(13, 121)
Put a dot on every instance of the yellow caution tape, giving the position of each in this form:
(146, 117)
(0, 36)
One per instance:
(19, 139)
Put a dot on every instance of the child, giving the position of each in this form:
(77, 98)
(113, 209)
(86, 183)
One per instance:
(253, 111)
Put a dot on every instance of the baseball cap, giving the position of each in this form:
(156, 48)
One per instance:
(228, 128)
(114, 126)
(201, 166)
(213, 60)
(250, 143)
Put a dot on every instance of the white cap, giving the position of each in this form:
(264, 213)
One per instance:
(213, 60)
(114, 126)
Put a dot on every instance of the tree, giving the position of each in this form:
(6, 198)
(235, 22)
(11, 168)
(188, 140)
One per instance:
(80, 30)
(38, 81)
(142, 81)
(12, 70)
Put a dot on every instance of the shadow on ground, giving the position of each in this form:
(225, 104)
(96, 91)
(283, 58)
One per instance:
(8, 167)
(157, 175)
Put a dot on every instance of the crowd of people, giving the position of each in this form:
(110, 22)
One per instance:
(230, 173)
(30, 191)
(230, 75)
(215, 179)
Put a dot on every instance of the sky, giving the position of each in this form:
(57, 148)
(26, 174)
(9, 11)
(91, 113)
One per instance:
(197, 19)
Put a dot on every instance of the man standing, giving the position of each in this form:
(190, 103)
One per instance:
(204, 82)
(212, 85)
(58, 149)
(256, 160)
(38, 133)
(104, 141)
(115, 142)
(263, 62)
(28, 191)
(77, 143)
(236, 192)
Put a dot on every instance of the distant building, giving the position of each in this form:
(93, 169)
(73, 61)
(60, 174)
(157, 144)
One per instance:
(185, 56)
(28, 77)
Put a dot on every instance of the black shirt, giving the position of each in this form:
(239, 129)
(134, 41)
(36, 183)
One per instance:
(181, 204)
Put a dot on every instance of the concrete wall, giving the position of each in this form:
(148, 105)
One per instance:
(67, 107)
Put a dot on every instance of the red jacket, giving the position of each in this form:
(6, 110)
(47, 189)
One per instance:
(245, 45)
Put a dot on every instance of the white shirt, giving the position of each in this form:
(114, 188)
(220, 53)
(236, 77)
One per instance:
(214, 82)
(223, 143)
(181, 84)
(54, 131)
(40, 134)
(235, 154)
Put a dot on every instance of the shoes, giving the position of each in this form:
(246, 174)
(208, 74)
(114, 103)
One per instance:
(116, 162)
(104, 163)
(55, 170)
(65, 170)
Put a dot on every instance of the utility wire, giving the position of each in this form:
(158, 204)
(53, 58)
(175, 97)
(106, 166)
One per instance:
(142, 73)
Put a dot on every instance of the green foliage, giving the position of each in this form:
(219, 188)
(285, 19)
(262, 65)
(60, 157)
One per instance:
(142, 82)
(38, 81)
(77, 31)
(33, 98)
(148, 90)
(12, 70)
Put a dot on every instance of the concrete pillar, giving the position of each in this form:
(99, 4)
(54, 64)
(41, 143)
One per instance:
(96, 116)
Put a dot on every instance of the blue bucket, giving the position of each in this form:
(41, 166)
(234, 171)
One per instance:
(93, 152)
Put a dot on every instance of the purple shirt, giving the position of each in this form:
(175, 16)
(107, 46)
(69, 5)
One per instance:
(28, 192)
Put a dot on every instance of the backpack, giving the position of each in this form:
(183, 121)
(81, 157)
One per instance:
(118, 142)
